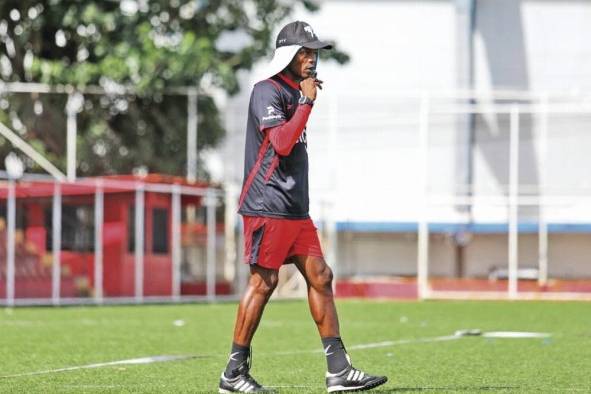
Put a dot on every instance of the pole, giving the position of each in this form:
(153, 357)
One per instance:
(464, 162)
(71, 146)
(211, 263)
(10, 243)
(27, 149)
(139, 243)
(192, 135)
(543, 225)
(243, 274)
(98, 242)
(73, 107)
(423, 227)
(332, 235)
(56, 243)
(513, 200)
(230, 222)
(176, 242)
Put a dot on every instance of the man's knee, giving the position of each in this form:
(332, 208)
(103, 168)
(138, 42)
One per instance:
(264, 281)
(323, 277)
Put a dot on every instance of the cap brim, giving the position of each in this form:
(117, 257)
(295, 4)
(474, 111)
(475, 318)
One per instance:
(281, 59)
(317, 45)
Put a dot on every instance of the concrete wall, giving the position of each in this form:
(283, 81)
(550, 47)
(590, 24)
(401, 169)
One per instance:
(395, 254)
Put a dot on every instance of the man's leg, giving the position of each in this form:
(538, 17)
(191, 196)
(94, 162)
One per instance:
(260, 287)
(319, 277)
(341, 375)
(261, 284)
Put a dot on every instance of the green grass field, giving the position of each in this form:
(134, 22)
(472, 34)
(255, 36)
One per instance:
(286, 347)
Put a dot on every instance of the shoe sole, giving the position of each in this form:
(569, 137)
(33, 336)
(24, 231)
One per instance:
(336, 389)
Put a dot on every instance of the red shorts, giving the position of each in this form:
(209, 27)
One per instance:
(268, 242)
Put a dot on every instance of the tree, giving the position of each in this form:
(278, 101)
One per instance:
(151, 45)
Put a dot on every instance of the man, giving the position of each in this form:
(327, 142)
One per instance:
(274, 204)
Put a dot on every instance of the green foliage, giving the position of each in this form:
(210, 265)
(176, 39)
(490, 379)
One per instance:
(151, 45)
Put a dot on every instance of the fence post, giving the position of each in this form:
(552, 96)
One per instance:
(542, 224)
(139, 243)
(10, 271)
(73, 107)
(176, 242)
(513, 201)
(423, 225)
(98, 242)
(192, 118)
(331, 223)
(210, 206)
(56, 243)
(230, 224)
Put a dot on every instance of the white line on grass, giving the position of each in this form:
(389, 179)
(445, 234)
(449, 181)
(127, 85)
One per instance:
(156, 359)
(133, 361)
(515, 334)
(375, 345)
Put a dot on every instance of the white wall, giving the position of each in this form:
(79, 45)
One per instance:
(370, 166)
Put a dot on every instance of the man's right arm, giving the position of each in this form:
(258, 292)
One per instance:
(284, 137)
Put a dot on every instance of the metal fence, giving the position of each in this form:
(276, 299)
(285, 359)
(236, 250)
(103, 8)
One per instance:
(105, 240)
(479, 195)
(473, 195)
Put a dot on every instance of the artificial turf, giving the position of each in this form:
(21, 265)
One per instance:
(286, 347)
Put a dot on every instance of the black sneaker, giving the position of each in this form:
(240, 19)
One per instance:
(352, 379)
(242, 382)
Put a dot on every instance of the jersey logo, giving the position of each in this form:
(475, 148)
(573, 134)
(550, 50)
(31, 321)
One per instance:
(271, 114)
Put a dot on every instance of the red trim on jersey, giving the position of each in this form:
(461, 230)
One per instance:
(255, 169)
(289, 81)
(275, 83)
(272, 167)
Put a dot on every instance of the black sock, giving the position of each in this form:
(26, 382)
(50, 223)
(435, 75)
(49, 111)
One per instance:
(238, 356)
(336, 355)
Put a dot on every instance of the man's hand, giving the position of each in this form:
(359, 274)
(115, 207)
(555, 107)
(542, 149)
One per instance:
(309, 86)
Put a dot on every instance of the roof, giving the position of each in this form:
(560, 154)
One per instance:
(110, 184)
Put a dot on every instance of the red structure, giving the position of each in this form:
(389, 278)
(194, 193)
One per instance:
(33, 259)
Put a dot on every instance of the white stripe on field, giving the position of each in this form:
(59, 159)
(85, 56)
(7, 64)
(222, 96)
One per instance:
(515, 334)
(375, 345)
(133, 361)
(165, 358)
(403, 342)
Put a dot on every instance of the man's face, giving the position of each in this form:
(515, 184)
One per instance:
(303, 62)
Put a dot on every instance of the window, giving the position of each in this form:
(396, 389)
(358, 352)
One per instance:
(131, 229)
(77, 228)
(20, 216)
(160, 231)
